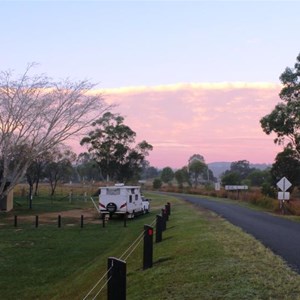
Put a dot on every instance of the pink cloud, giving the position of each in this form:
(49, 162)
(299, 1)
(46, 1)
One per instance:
(217, 120)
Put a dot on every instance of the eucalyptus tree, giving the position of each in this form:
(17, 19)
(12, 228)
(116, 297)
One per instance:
(197, 170)
(182, 176)
(231, 178)
(112, 145)
(36, 114)
(167, 175)
(284, 120)
(286, 164)
(259, 177)
(179, 177)
(239, 171)
(242, 167)
(87, 168)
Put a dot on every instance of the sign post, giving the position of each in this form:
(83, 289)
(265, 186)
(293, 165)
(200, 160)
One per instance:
(237, 188)
(283, 184)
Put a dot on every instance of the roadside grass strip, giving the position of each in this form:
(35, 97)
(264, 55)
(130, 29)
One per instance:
(201, 256)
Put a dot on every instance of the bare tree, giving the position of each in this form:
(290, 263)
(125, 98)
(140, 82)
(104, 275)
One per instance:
(59, 166)
(37, 114)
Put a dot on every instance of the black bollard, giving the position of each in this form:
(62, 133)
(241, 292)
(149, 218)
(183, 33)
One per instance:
(116, 283)
(164, 221)
(169, 208)
(166, 213)
(81, 221)
(148, 247)
(158, 236)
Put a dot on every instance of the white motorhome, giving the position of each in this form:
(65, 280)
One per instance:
(122, 199)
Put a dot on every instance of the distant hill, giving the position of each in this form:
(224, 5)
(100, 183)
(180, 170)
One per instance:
(219, 168)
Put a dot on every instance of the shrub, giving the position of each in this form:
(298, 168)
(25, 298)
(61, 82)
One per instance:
(268, 190)
(157, 183)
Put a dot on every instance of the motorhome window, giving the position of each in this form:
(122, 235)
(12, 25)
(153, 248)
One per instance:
(130, 198)
(136, 197)
(113, 191)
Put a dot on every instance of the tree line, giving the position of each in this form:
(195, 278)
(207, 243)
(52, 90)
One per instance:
(194, 174)
(38, 115)
(111, 156)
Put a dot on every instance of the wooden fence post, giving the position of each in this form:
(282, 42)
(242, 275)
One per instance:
(168, 207)
(116, 276)
(166, 213)
(148, 247)
(164, 221)
(59, 221)
(158, 235)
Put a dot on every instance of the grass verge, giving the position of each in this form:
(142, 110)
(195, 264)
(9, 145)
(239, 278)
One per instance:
(202, 256)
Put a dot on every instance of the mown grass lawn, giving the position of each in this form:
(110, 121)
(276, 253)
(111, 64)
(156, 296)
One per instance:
(201, 256)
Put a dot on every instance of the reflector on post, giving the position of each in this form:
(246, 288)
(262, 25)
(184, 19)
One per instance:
(148, 247)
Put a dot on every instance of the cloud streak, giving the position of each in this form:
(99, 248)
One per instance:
(217, 120)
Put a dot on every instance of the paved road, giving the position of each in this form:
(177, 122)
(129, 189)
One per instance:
(280, 235)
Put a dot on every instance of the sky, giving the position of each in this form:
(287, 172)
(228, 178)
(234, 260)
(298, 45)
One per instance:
(190, 77)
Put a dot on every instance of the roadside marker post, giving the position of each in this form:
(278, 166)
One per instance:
(116, 276)
(168, 208)
(283, 184)
(166, 213)
(164, 221)
(158, 235)
(148, 247)
(81, 221)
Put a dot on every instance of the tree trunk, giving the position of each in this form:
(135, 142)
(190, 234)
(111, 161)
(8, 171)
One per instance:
(30, 195)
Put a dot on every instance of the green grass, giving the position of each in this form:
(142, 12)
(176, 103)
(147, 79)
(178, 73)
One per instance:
(47, 204)
(201, 256)
(205, 257)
